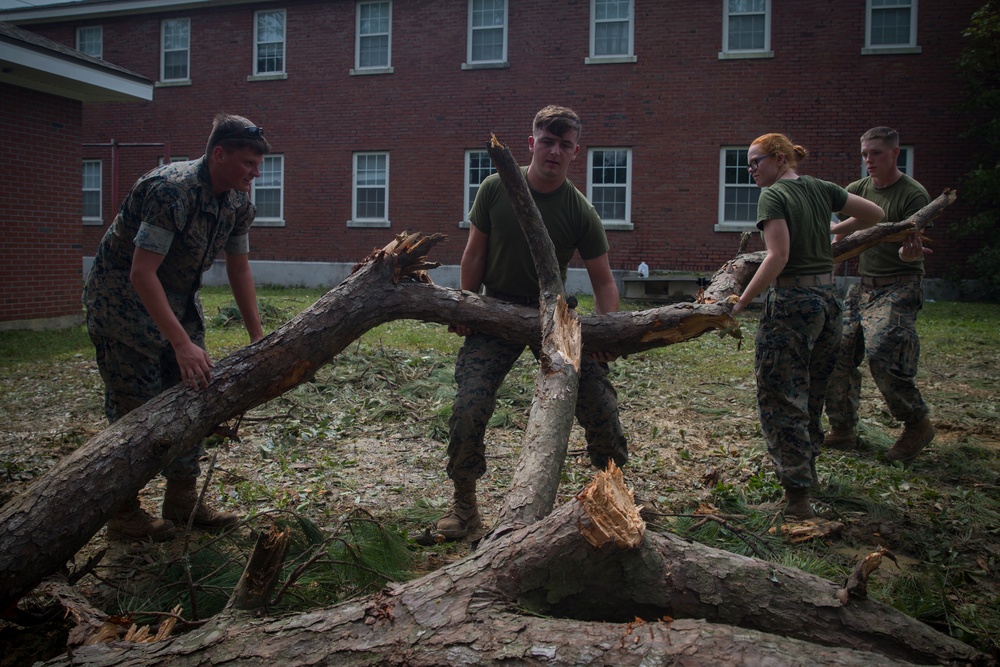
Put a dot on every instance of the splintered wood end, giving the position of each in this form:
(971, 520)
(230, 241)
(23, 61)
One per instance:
(610, 506)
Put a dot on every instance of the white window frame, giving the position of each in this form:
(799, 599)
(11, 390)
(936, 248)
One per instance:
(729, 53)
(724, 225)
(280, 73)
(626, 187)
(629, 55)
(272, 167)
(887, 49)
(360, 221)
(88, 35)
(92, 186)
(483, 64)
(469, 188)
(186, 23)
(359, 39)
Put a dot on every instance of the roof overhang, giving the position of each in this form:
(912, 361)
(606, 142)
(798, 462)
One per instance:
(75, 11)
(31, 65)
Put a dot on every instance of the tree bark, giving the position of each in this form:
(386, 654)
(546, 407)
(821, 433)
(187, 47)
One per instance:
(862, 240)
(623, 599)
(535, 481)
(38, 536)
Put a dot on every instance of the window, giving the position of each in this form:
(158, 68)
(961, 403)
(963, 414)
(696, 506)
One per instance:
(738, 193)
(746, 29)
(371, 190)
(90, 40)
(269, 37)
(176, 36)
(92, 192)
(891, 26)
(610, 185)
(478, 166)
(268, 193)
(487, 33)
(373, 47)
(611, 30)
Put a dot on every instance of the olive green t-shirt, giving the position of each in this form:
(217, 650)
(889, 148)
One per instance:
(899, 201)
(570, 219)
(806, 204)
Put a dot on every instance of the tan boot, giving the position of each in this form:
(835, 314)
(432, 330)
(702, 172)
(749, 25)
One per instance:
(134, 523)
(179, 503)
(463, 515)
(838, 439)
(797, 503)
(916, 436)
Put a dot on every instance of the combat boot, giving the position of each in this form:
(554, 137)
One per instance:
(846, 439)
(181, 501)
(916, 436)
(797, 503)
(463, 515)
(134, 523)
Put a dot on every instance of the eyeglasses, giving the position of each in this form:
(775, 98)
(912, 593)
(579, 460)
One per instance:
(753, 164)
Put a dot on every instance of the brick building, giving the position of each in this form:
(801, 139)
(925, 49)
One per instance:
(44, 87)
(378, 111)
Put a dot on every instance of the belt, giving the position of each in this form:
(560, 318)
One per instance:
(513, 298)
(526, 300)
(882, 281)
(812, 280)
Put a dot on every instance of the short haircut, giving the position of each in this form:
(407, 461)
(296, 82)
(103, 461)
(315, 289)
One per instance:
(557, 120)
(886, 134)
(234, 132)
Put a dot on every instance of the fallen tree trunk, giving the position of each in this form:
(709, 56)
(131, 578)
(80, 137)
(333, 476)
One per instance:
(736, 273)
(862, 240)
(38, 536)
(596, 591)
(535, 481)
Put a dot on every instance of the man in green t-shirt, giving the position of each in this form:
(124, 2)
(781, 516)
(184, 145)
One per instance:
(497, 258)
(880, 312)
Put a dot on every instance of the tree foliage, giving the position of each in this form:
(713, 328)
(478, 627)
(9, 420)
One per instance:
(979, 64)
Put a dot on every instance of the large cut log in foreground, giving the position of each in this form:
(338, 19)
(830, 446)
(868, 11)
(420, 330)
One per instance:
(582, 579)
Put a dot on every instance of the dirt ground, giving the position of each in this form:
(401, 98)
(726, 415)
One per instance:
(369, 433)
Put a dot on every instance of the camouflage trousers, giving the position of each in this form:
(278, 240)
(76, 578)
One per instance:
(482, 364)
(130, 379)
(795, 350)
(880, 323)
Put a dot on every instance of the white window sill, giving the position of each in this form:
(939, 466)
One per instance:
(609, 60)
(93, 222)
(369, 224)
(496, 65)
(271, 76)
(269, 222)
(371, 70)
(890, 50)
(464, 224)
(744, 55)
(736, 227)
(172, 83)
(618, 225)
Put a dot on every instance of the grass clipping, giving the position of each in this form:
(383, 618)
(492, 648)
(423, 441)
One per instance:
(610, 506)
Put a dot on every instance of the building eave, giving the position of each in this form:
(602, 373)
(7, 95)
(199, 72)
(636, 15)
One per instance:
(86, 10)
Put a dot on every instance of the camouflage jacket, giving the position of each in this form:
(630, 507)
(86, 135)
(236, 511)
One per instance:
(170, 211)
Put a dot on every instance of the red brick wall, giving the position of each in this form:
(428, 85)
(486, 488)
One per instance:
(675, 107)
(40, 232)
